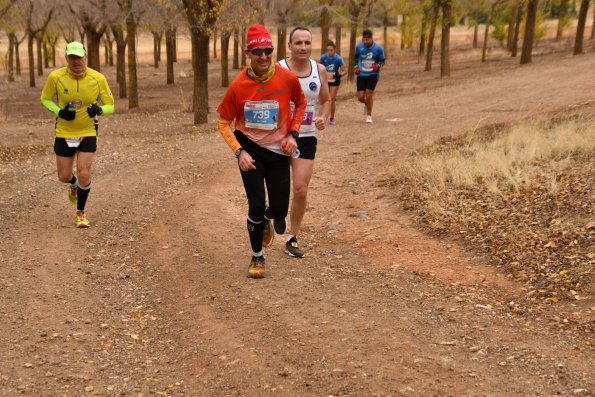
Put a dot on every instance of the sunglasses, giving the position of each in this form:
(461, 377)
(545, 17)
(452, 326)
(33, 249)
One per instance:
(259, 51)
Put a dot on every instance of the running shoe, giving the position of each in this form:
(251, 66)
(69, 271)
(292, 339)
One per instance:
(332, 121)
(80, 220)
(72, 193)
(256, 268)
(268, 236)
(368, 119)
(292, 247)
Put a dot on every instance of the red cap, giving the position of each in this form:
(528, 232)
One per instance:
(258, 36)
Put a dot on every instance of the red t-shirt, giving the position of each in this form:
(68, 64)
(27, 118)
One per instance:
(261, 110)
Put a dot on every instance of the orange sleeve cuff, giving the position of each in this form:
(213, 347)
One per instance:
(227, 134)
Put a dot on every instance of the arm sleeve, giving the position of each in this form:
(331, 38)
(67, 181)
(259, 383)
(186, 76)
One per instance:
(47, 95)
(227, 134)
(107, 99)
(50, 105)
(299, 100)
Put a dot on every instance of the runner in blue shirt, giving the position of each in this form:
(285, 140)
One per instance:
(369, 57)
(335, 68)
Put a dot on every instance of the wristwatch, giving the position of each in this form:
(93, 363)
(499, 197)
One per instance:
(238, 152)
(294, 134)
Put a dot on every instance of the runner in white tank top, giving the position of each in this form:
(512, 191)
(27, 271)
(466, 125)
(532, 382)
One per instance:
(311, 85)
(314, 81)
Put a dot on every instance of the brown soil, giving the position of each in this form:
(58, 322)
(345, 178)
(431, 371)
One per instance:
(153, 298)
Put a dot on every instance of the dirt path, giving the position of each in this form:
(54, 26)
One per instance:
(153, 300)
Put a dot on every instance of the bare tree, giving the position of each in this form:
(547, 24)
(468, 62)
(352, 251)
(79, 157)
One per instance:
(434, 22)
(354, 8)
(325, 23)
(445, 39)
(527, 51)
(517, 28)
(561, 19)
(91, 15)
(580, 28)
(37, 16)
(283, 12)
(5, 6)
(201, 15)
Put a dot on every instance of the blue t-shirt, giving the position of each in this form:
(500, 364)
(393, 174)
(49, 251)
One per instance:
(366, 57)
(332, 65)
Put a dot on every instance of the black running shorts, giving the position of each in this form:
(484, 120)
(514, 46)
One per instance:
(61, 148)
(366, 83)
(307, 147)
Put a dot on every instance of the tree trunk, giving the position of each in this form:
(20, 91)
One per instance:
(338, 39)
(38, 45)
(593, 27)
(350, 63)
(93, 46)
(385, 37)
(215, 34)
(10, 66)
(445, 42)
(325, 25)
(17, 56)
(200, 52)
(175, 38)
(281, 40)
(120, 59)
(242, 48)
(236, 49)
(46, 55)
(224, 59)
(561, 17)
(30, 39)
(527, 51)
(169, 49)
(476, 35)
(156, 49)
(132, 77)
(580, 27)
(403, 27)
(486, 34)
(517, 29)
(511, 24)
(430, 52)
(422, 34)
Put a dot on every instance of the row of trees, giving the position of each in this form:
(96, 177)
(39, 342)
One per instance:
(110, 23)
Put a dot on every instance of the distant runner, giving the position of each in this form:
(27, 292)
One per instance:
(369, 57)
(335, 67)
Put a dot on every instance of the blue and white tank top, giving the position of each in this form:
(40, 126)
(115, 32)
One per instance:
(311, 87)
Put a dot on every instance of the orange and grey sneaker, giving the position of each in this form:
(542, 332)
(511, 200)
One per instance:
(256, 268)
(80, 220)
(268, 235)
(72, 193)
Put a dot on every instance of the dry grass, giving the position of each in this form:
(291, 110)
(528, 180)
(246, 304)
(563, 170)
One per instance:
(522, 193)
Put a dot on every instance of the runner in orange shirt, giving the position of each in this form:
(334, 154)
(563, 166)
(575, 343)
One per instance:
(265, 135)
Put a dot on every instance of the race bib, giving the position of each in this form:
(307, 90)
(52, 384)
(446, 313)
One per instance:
(367, 65)
(331, 77)
(309, 114)
(262, 115)
(73, 142)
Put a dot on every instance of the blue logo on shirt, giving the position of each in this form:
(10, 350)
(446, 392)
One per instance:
(313, 86)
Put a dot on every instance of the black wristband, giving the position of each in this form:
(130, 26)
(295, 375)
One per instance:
(294, 134)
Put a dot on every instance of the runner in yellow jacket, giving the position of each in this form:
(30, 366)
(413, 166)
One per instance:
(72, 93)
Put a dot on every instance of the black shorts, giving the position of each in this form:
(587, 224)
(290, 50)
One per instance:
(366, 83)
(61, 148)
(335, 83)
(307, 147)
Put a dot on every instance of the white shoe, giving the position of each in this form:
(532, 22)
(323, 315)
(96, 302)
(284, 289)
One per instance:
(368, 119)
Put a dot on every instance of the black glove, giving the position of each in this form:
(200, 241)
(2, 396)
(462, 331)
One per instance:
(67, 113)
(94, 110)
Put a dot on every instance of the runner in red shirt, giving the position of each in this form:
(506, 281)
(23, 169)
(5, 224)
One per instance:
(265, 134)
